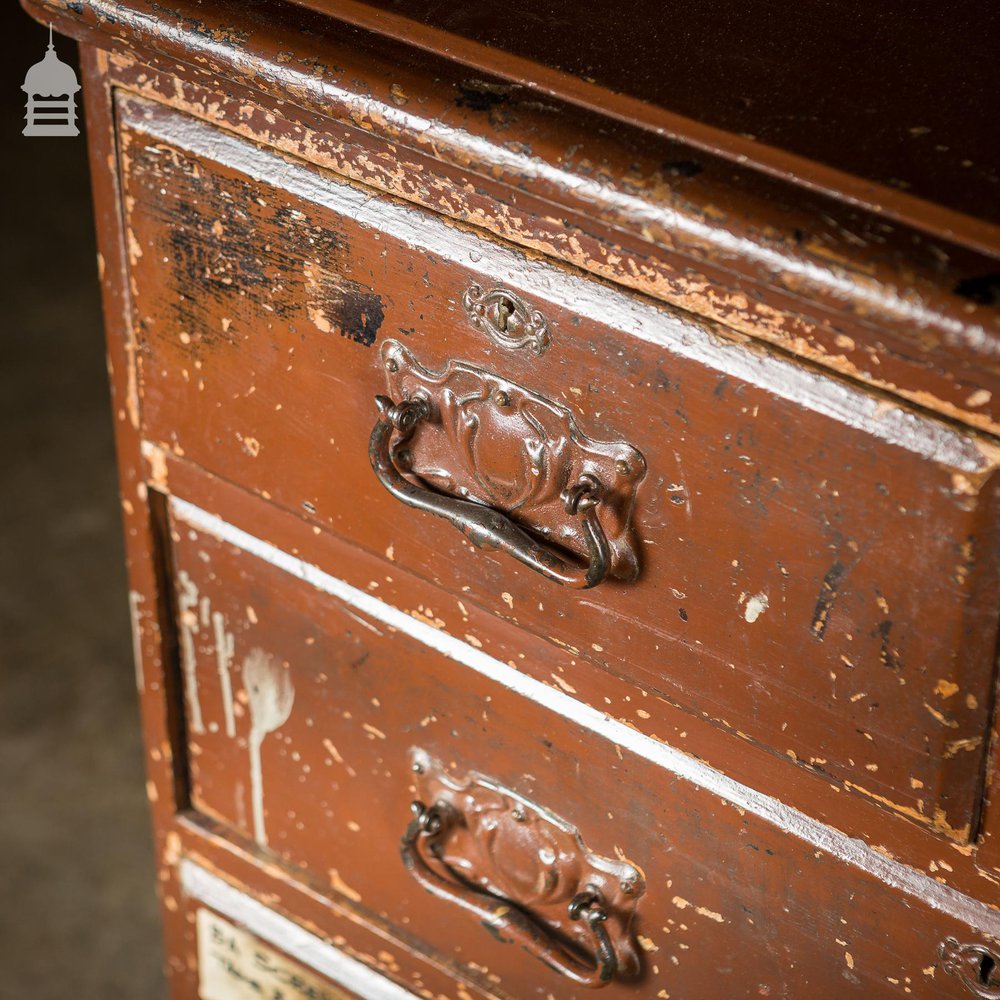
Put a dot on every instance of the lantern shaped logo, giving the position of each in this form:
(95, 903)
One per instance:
(51, 86)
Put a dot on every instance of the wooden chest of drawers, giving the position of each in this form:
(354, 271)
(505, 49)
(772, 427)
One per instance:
(548, 515)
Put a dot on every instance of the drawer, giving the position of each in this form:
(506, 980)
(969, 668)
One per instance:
(235, 964)
(765, 525)
(317, 713)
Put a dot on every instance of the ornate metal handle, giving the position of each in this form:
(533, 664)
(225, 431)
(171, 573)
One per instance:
(504, 918)
(483, 526)
(976, 967)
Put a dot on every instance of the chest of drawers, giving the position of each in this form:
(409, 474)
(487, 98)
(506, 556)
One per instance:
(562, 509)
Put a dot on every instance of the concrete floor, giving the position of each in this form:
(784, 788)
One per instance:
(79, 917)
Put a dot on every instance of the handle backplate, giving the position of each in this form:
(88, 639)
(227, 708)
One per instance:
(524, 872)
(488, 440)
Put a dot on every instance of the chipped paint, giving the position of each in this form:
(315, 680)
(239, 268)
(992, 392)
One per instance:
(941, 717)
(945, 688)
(683, 904)
(756, 606)
(156, 456)
(339, 885)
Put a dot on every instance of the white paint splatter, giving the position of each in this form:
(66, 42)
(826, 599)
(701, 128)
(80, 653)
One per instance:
(224, 648)
(756, 606)
(187, 603)
(270, 694)
(134, 600)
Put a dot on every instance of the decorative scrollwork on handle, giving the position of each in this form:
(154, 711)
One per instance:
(503, 917)
(524, 873)
(484, 527)
(506, 318)
(510, 468)
(974, 965)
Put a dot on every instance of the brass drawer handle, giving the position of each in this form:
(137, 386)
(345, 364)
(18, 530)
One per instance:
(483, 526)
(504, 918)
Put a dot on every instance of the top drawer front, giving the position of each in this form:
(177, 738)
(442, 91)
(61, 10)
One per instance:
(819, 569)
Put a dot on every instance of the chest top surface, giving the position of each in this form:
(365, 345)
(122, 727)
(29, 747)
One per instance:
(894, 93)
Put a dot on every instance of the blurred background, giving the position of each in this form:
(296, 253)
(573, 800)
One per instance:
(79, 917)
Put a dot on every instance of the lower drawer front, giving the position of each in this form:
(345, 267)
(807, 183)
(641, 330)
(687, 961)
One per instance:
(235, 964)
(316, 714)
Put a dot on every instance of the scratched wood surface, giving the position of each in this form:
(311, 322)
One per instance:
(769, 599)
(300, 705)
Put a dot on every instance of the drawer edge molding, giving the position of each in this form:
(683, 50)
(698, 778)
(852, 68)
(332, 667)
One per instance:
(200, 884)
(850, 850)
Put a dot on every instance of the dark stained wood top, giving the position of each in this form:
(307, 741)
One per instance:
(900, 93)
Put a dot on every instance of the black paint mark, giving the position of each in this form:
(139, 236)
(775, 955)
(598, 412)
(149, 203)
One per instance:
(887, 654)
(359, 661)
(212, 229)
(682, 168)
(481, 95)
(824, 603)
(354, 311)
(984, 289)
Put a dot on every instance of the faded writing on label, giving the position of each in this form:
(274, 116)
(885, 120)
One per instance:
(234, 965)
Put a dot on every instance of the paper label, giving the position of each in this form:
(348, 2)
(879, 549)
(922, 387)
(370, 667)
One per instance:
(234, 965)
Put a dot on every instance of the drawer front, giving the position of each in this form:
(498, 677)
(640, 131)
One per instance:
(316, 714)
(817, 568)
(234, 964)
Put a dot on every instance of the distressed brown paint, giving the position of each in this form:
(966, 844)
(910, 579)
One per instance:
(365, 697)
(740, 627)
(803, 582)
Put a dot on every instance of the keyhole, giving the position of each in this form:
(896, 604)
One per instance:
(987, 965)
(504, 308)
